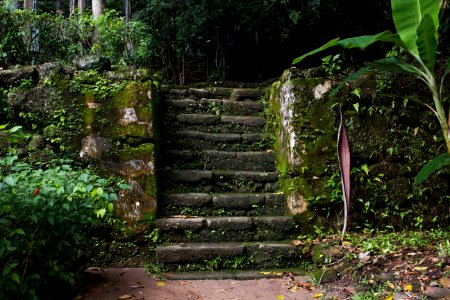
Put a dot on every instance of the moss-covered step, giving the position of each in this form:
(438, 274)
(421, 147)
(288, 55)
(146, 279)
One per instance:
(221, 160)
(216, 106)
(224, 204)
(196, 140)
(174, 181)
(230, 255)
(214, 123)
(180, 229)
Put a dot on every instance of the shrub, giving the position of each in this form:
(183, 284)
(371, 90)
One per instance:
(47, 219)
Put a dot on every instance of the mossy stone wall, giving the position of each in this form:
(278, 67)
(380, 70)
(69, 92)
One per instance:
(105, 119)
(391, 136)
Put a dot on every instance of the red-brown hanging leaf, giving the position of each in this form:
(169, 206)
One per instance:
(343, 148)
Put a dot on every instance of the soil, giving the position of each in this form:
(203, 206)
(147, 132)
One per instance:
(135, 283)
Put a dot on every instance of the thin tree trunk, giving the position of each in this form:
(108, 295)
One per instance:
(127, 11)
(28, 4)
(98, 8)
(71, 7)
(81, 6)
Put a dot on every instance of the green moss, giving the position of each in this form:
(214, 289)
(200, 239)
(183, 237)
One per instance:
(132, 94)
(141, 152)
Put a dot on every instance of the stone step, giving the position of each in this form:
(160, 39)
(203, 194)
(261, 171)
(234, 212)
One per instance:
(198, 140)
(220, 160)
(235, 94)
(182, 229)
(230, 255)
(225, 204)
(213, 123)
(215, 106)
(219, 181)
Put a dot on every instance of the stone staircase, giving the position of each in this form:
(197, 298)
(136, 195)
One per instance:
(220, 205)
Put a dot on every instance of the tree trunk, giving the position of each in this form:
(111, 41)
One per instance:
(81, 6)
(127, 11)
(98, 8)
(71, 7)
(58, 7)
(28, 4)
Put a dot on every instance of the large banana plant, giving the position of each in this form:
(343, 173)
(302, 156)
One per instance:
(417, 25)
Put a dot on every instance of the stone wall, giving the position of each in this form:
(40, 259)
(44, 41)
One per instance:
(104, 118)
(391, 136)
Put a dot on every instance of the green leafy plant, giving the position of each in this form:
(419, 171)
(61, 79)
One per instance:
(47, 219)
(417, 24)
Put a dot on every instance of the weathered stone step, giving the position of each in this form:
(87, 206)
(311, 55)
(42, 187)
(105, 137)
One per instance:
(216, 106)
(235, 94)
(214, 123)
(198, 140)
(197, 256)
(219, 181)
(221, 160)
(229, 204)
(219, 229)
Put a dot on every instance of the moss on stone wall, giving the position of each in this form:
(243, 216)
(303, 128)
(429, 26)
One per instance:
(390, 136)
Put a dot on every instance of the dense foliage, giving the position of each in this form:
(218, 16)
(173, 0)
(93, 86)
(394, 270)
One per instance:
(48, 216)
(28, 37)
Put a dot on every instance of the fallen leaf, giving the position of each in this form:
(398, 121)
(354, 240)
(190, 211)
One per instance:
(265, 273)
(297, 243)
(420, 268)
(445, 282)
(280, 297)
(318, 295)
(346, 243)
(160, 283)
(391, 297)
(408, 287)
(390, 284)
(278, 273)
(125, 297)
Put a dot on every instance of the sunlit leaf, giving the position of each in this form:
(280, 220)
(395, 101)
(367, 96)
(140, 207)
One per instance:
(9, 181)
(408, 287)
(15, 128)
(390, 297)
(427, 42)
(420, 268)
(265, 273)
(318, 295)
(280, 297)
(100, 213)
(160, 283)
(408, 14)
(390, 285)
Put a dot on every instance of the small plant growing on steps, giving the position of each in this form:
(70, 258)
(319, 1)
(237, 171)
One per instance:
(417, 24)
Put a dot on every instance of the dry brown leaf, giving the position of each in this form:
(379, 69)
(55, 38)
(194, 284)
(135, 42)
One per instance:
(297, 243)
(445, 282)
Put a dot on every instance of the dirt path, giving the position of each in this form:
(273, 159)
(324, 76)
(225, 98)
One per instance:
(128, 283)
